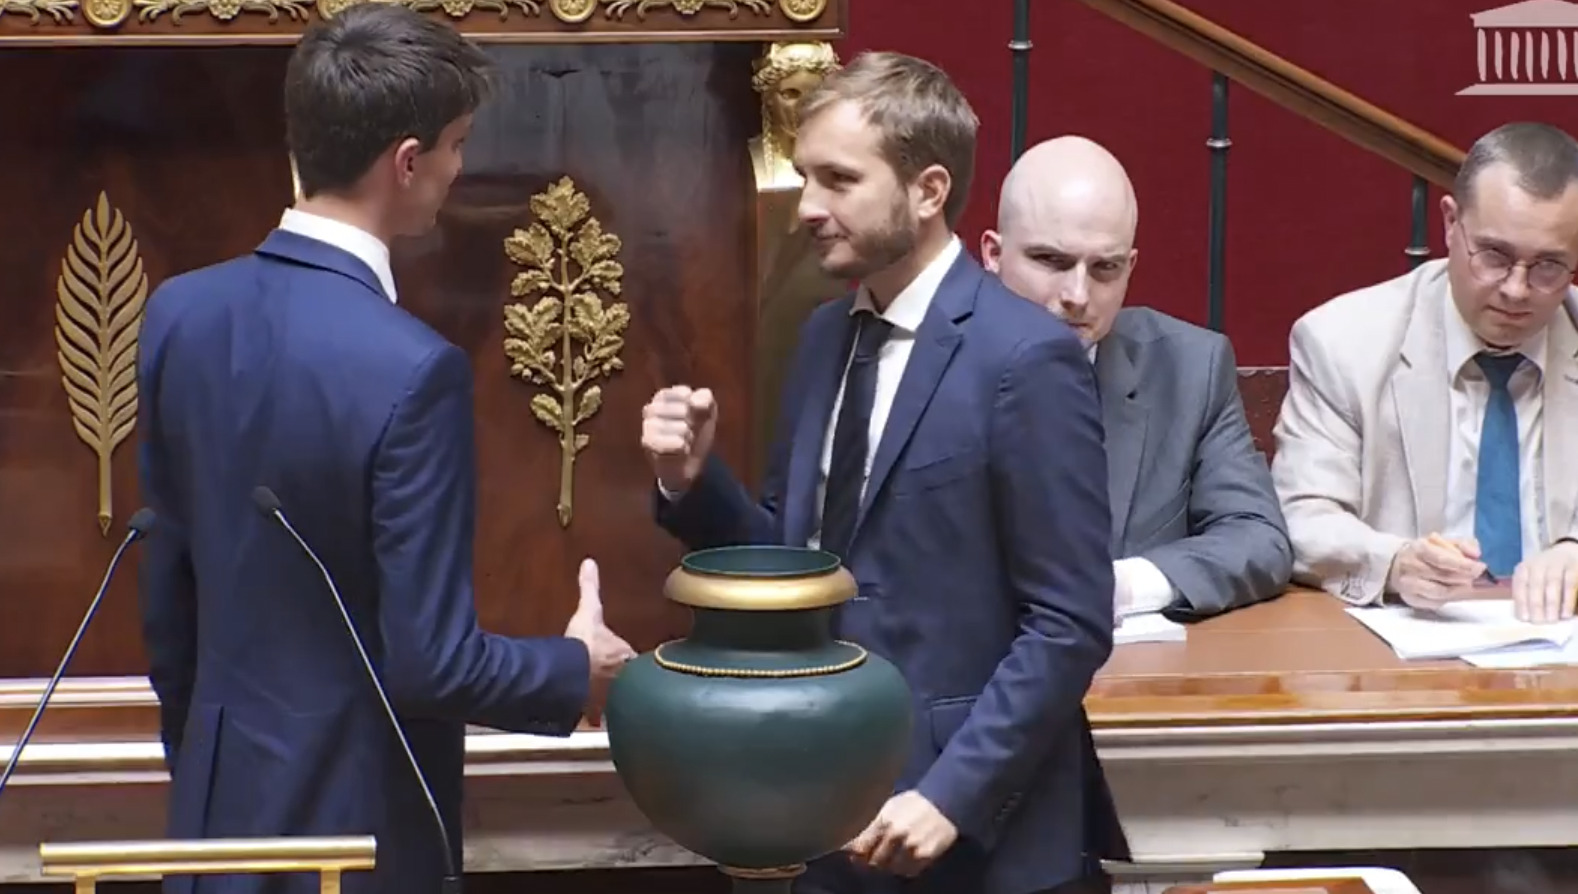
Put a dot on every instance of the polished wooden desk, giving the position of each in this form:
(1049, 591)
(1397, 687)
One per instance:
(1302, 659)
(1289, 726)
(1282, 727)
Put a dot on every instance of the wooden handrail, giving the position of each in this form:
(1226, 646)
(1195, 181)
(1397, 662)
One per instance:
(1295, 89)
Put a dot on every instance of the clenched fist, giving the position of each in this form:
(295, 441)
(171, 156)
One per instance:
(677, 428)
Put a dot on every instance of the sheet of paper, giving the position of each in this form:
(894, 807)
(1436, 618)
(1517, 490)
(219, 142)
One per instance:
(1150, 627)
(1526, 655)
(1458, 629)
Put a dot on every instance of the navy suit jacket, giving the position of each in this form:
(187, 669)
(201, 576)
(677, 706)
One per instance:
(982, 558)
(290, 368)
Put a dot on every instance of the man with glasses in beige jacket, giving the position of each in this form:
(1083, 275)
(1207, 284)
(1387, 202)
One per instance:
(1429, 437)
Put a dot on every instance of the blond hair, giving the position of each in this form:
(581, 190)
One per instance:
(922, 117)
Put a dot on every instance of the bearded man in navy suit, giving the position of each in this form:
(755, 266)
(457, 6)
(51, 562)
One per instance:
(942, 436)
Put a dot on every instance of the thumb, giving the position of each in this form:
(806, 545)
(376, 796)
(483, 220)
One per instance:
(591, 590)
(702, 405)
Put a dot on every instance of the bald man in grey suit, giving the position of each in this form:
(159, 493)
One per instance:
(1196, 527)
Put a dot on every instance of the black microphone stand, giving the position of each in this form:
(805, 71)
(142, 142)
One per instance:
(138, 526)
(268, 504)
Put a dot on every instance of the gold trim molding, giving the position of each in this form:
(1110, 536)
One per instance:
(62, 11)
(298, 10)
(101, 291)
(754, 673)
(109, 15)
(567, 339)
(617, 8)
(802, 11)
(573, 12)
(106, 14)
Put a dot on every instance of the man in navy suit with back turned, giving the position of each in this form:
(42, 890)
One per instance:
(943, 437)
(294, 367)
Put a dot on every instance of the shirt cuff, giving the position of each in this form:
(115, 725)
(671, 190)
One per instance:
(1148, 588)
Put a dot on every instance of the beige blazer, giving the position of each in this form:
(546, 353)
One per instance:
(1361, 442)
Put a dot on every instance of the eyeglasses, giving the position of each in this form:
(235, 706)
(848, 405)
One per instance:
(1492, 266)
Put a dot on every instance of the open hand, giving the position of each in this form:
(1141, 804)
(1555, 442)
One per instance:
(1545, 586)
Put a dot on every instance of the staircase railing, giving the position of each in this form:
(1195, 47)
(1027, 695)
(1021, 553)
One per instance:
(1235, 58)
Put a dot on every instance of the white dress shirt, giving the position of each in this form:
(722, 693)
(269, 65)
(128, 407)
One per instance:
(364, 246)
(904, 313)
(1468, 394)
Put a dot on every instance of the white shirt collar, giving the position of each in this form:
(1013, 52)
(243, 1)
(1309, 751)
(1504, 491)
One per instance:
(362, 245)
(1462, 344)
(908, 309)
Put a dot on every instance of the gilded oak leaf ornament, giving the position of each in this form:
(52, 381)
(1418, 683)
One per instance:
(567, 338)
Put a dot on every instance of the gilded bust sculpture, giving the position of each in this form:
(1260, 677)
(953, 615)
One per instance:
(785, 71)
(788, 274)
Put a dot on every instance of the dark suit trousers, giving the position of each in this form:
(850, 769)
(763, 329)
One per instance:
(959, 872)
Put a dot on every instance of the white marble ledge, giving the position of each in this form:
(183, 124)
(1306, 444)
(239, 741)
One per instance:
(494, 753)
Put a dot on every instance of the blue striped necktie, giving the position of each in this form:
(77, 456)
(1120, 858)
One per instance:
(1498, 517)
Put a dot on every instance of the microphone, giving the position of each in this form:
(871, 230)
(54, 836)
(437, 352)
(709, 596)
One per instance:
(268, 504)
(137, 527)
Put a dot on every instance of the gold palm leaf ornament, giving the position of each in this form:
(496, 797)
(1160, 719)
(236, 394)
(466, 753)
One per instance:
(101, 292)
(566, 339)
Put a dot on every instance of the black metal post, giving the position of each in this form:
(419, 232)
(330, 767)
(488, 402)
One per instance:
(1020, 47)
(1418, 250)
(1216, 249)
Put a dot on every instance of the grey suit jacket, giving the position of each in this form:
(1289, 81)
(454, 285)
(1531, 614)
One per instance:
(1189, 491)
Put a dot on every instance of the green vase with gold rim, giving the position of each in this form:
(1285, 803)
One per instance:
(759, 741)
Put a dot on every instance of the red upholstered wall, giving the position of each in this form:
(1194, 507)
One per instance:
(1309, 215)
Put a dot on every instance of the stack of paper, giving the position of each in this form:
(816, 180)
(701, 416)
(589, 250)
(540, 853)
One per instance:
(1151, 627)
(1526, 655)
(1463, 629)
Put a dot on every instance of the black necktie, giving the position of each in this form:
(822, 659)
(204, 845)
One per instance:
(846, 473)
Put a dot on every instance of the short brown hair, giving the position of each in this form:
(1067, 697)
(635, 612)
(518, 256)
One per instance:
(1545, 159)
(923, 118)
(374, 74)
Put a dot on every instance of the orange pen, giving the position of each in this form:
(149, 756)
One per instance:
(1438, 540)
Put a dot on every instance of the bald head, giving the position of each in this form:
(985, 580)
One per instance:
(1066, 222)
(1073, 180)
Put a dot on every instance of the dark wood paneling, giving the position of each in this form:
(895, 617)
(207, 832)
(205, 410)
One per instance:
(188, 144)
(655, 135)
